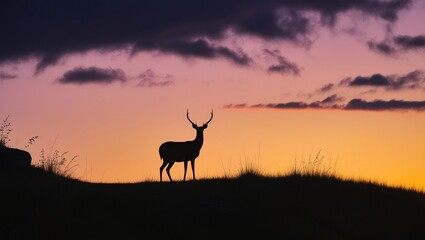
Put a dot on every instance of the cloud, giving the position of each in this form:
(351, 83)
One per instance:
(327, 103)
(384, 47)
(381, 105)
(5, 76)
(326, 88)
(412, 80)
(290, 105)
(196, 48)
(354, 104)
(410, 42)
(83, 75)
(287, 105)
(149, 78)
(46, 61)
(48, 30)
(376, 80)
(283, 65)
(398, 44)
(331, 100)
(267, 24)
(241, 105)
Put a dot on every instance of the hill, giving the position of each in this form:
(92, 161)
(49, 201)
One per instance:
(37, 205)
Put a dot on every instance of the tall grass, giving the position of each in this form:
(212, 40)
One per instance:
(315, 165)
(5, 130)
(250, 167)
(58, 163)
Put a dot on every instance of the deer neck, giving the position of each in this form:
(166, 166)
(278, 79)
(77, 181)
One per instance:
(199, 140)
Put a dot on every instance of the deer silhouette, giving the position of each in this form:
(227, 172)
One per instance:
(171, 152)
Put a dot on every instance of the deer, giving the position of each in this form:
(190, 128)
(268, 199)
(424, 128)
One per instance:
(171, 152)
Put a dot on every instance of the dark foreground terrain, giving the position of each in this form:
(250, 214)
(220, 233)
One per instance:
(36, 205)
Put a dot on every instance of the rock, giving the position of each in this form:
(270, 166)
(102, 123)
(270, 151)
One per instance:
(14, 157)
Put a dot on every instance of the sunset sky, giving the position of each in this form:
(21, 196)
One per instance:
(110, 81)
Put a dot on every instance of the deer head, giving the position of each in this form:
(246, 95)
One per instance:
(200, 128)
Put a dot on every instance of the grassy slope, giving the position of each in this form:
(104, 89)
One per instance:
(35, 205)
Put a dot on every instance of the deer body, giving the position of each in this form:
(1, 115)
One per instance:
(171, 152)
(180, 151)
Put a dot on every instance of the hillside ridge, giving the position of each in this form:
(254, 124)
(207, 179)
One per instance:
(38, 205)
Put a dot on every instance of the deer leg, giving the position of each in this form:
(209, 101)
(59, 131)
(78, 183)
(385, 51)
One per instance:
(168, 170)
(185, 168)
(162, 168)
(192, 163)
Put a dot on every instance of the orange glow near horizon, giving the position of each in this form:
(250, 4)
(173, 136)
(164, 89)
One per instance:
(380, 146)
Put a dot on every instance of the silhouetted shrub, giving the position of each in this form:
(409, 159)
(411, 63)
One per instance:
(57, 163)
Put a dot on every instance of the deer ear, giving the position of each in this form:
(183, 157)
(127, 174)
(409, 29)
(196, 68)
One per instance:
(205, 126)
(194, 125)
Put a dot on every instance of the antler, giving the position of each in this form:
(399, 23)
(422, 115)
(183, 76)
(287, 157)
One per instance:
(212, 115)
(187, 115)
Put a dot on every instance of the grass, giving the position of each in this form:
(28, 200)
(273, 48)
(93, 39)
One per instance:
(5, 130)
(250, 168)
(315, 165)
(58, 163)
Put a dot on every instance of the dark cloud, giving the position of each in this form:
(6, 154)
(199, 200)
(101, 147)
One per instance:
(196, 48)
(410, 42)
(331, 100)
(292, 105)
(283, 65)
(326, 88)
(239, 57)
(327, 103)
(46, 61)
(5, 75)
(267, 24)
(82, 75)
(48, 30)
(384, 48)
(412, 80)
(398, 44)
(149, 78)
(396, 82)
(355, 104)
(241, 105)
(375, 80)
(381, 105)
(287, 105)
